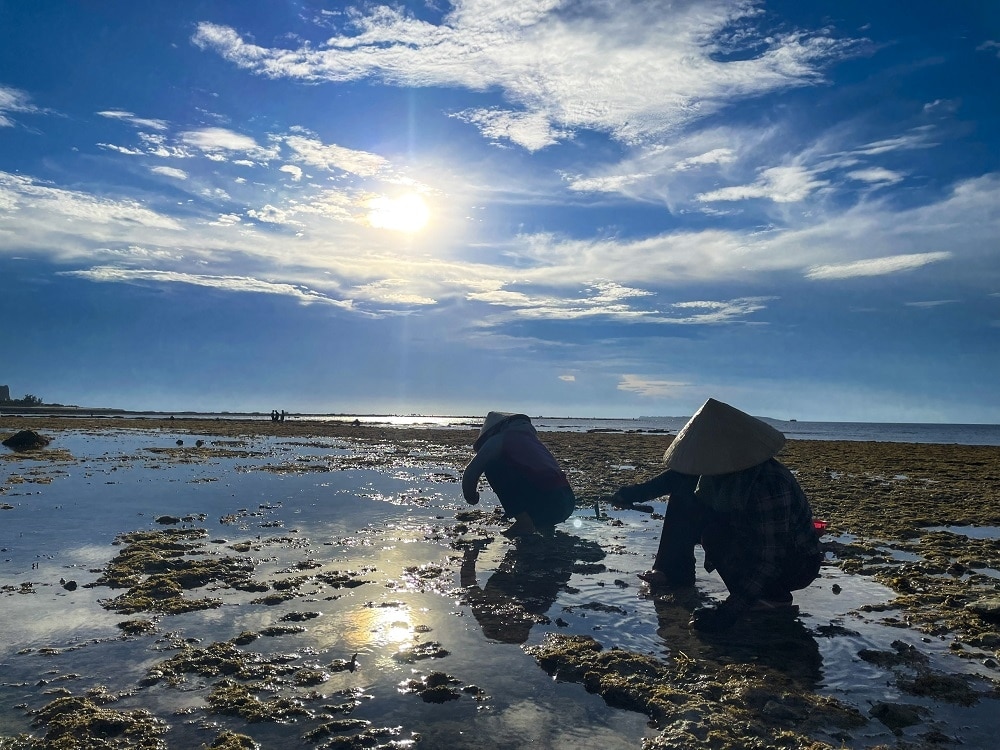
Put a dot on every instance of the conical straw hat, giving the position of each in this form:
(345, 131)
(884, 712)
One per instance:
(490, 425)
(720, 439)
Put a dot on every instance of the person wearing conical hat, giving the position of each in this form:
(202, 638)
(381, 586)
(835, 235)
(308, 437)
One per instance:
(525, 476)
(728, 492)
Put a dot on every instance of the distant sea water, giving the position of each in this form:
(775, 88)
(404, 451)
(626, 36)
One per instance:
(949, 434)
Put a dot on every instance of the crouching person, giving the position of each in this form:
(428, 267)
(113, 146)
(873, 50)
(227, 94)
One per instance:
(729, 493)
(525, 476)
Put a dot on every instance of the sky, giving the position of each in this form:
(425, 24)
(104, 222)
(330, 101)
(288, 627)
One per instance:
(590, 208)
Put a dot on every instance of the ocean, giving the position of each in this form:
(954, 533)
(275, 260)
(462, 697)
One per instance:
(948, 434)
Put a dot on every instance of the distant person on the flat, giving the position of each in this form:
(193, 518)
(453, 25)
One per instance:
(728, 493)
(525, 476)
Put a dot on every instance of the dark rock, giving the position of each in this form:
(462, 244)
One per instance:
(988, 609)
(27, 440)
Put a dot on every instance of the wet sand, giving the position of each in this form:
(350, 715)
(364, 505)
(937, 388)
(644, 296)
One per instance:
(882, 501)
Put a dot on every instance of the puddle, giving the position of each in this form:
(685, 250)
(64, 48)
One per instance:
(972, 532)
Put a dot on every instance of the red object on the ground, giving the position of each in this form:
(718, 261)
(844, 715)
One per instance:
(820, 527)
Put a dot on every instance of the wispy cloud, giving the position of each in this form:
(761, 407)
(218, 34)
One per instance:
(989, 46)
(177, 174)
(334, 158)
(932, 303)
(13, 100)
(779, 184)
(139, 122)
(645, 74)
(876, 266)
(226, 283)
(876, 175)
(219, 141)
(650, 387)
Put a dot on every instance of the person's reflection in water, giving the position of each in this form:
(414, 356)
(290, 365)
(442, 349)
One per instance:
(524, 585)
(775, 639)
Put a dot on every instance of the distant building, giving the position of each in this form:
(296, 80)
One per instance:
(4, 393)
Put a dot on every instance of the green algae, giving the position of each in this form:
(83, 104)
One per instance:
(221, 659)
(697, 703)
(232, 741)
(137, 627)
(157, 567)
(71, 723)
(232, 698)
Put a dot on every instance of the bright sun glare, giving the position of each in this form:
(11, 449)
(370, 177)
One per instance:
(406, 213)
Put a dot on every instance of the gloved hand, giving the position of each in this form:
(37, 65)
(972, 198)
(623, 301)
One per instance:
(718, 618)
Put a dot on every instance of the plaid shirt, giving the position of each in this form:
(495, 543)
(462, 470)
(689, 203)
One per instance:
(766, 510)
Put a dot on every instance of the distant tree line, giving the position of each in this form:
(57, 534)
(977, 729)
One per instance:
(28, 400)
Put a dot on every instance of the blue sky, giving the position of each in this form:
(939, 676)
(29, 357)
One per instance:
(563, 208)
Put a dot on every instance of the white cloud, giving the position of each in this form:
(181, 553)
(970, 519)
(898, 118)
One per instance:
(876, 175)
(607, 184)
(139, 122)
(715, 156)
(876, 266)
(635, 70)
(989, 46)
(332, 157)
(651, 388)
(705, 312)
(568, 378)
(931, 303)
(779, 184)
(393, 292)
(295, 172)
(916, 138)
(13, 100)
(227, 283)
(271, 215)
(218, 143)
(531, 130)
(177, 174)
(52, 205)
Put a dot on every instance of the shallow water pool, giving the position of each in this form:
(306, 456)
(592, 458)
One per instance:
(368, 589)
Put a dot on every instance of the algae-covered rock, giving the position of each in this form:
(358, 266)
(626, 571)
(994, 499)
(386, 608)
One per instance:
(81, 723)
(157, 567)
(697, 703)
(27, 440)
(232, 741)
(987, 608)
(230, 697)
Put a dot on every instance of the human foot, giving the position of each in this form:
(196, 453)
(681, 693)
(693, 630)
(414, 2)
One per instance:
(520, 527)
(658, 579)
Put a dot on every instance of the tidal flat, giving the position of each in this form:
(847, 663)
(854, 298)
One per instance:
(245, 584)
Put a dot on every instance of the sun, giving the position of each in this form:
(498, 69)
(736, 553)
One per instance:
(405, 213)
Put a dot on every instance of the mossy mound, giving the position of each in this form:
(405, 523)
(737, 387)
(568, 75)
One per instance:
(73, 722)
(697, 703)
(157, 567)
(27, 440)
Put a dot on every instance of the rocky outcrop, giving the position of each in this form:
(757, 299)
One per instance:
(27, 440)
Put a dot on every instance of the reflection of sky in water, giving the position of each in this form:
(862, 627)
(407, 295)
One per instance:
(972, 532)
(382, 525)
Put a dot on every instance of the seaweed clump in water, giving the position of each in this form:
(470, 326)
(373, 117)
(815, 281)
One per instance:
(228, 740)
(156, 567)
(695, 703)
(72, 722)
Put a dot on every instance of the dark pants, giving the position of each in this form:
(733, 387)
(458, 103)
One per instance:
(730, 559)
(682, 526)
(546, 507)
(686, 523)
